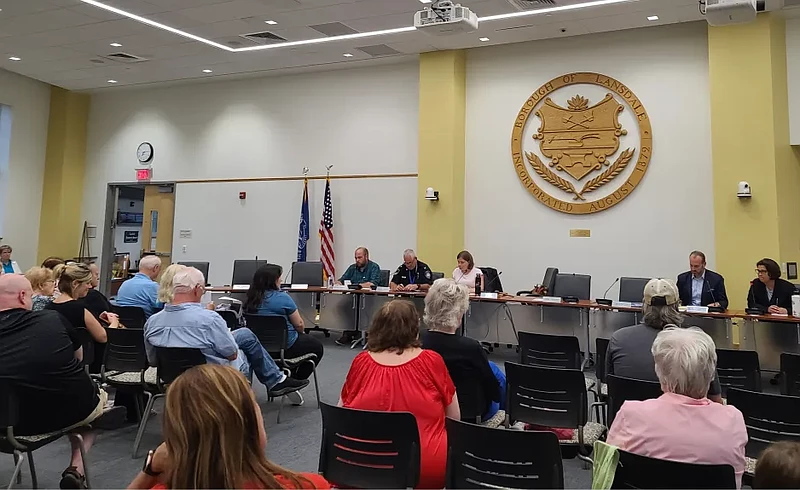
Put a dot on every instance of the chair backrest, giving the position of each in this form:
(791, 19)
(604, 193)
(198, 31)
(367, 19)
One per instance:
(87, 342)
(634, 471)
(738, 369)
(201, 266)
(437, 275)
(124, 350)
(601, 345)
(130, 316)
(271, 331)
(631, 289)
(482, 457)
(578, 285)
(9, 409)
(549, 280)
(365, 449)
(173, 361)
(471, 398)
(554, 351)
(790, 374)
(622, 389)
(307, 273)
(545, 396)
(230, 318)
(768, 418)
(244, 270)
(491, 280)
(385, 274)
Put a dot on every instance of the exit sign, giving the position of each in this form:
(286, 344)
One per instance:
(143, 174)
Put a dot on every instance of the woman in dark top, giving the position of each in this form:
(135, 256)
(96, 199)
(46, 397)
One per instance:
(478, 381)
(95, 301)
(768, 291)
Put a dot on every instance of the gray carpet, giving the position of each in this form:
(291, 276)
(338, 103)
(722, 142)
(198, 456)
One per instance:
(294, 443)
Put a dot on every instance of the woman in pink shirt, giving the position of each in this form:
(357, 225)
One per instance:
(682, 424)
(466, 272)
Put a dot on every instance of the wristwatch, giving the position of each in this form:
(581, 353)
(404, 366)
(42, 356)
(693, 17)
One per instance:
(148, 464)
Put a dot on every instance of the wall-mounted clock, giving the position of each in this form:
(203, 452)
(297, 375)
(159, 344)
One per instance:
(144, 153)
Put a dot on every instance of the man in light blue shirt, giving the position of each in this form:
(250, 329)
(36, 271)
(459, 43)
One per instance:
(186, 323)
(142, 289)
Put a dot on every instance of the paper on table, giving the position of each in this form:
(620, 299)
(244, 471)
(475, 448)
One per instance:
(299, 286)
(241, 287)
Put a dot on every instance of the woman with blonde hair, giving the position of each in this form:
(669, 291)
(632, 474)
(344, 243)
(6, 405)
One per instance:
(165, 293)
(214, 437)
(43, 284)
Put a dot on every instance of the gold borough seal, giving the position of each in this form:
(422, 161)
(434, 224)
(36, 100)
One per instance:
(582, 143)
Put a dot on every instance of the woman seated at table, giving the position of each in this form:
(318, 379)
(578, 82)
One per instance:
(43, 284)
(266, 298)
(466, 272)
(768, 291)
(682, 424)
(395, 375)
(467, 363)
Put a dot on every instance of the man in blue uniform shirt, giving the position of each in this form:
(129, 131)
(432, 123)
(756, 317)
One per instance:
(412, 275)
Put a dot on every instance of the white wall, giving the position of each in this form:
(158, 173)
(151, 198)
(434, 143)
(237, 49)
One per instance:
(651, 232)
(793, 72)
(362, 121)
(30, 109)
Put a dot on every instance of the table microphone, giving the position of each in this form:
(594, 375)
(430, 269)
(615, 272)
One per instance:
(284, 284)
(712, 309)
(756, 309)
(604, 301)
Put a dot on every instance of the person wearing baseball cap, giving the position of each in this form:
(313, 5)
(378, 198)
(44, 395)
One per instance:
(629, 353)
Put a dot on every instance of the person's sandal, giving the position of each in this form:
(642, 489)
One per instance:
(70, 478)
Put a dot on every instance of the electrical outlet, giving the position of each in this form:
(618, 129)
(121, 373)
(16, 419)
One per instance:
(183, 249)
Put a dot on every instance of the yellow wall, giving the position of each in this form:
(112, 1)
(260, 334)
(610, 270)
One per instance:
(61, 226)
(442, 117)
(750, 142)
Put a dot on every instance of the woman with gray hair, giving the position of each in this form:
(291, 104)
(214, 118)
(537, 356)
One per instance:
(682, 424)
(467, 362)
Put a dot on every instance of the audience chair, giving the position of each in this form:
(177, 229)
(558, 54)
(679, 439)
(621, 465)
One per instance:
(17, 446)
(554, 398)
(621, 389)
(471, 397)
(790, 374)
(769, 418)
(130, 316)
(551, 351)
(365, 449)
(125, 368)
(230, 319)
(738, 369)
(601, 346)
(273, 334)
(385, 275)
(482, 457)
(87, 343)
(634, 471)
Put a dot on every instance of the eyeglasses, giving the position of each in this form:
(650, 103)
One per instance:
(762, 271)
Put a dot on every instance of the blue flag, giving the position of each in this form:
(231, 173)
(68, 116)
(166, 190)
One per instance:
(302, 235)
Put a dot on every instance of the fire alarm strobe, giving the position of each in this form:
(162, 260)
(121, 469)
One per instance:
(243, 195)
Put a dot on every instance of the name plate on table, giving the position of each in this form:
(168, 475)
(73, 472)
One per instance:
(549, 299)
(241, 287)
(382, 289)
(489, 295)
(621, 304)
(340, 287)
(696, 309)
(299, 286)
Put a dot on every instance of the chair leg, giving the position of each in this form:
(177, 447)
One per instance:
(34, 481)
(316, 383)
(85, 461)
(280, 407)
(143, 422)
(16, 477)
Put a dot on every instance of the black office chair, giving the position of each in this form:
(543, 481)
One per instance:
(553, 398)
(634, 471)
(601, 346)
(472, 400)
(201, 266)
(385, 275)
(631, 289)
(365, 449)
(576, 285)
(790, 374)
(273, 334)
(738, 369)
(173, 361)
(230, 319)
(437, 275)
(491, 280)
(553, 351)
(17, 446)
(621, 389)
(244, 270)
(481, 457)
(130, 316)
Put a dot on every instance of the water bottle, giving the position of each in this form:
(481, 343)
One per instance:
(796, 305)
(330, 282)
(478, 285)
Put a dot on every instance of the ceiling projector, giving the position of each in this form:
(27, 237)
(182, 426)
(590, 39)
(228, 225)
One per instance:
(444, 17)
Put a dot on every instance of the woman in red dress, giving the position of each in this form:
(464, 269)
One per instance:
(396, 375)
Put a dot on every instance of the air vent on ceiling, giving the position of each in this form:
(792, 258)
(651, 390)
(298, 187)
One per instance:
(264, 37)
(334, 29)
(378, 50)
(125, 57)
(532, 4)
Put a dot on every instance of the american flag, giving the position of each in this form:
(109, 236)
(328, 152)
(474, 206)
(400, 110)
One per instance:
(326, 235)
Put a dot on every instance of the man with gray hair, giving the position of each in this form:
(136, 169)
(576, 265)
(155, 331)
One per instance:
(412, 275)
(186, 323)
(141, 290)
(682, 424)
(628, 352)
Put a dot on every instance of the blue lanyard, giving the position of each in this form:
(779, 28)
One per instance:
(413, 278)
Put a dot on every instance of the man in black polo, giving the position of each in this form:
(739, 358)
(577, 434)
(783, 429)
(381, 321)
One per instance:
(413, 275)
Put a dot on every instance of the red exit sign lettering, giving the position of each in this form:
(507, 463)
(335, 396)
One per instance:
(144, 174)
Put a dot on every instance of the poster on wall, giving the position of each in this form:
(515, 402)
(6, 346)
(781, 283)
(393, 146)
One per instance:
(131, 236)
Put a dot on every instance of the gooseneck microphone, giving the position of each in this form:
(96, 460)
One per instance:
(751, 300)
(715, 309)
(604, 301)
(609, 288)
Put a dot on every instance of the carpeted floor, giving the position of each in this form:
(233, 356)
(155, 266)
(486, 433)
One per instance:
(294, 443)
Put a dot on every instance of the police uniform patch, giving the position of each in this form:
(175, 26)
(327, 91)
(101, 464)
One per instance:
(428, 274)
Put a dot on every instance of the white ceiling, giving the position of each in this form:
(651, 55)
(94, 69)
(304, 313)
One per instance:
(58, 39)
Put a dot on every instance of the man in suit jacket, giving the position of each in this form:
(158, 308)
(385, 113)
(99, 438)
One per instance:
(700, 286)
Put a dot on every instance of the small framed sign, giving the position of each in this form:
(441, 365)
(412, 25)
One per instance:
(131, 236)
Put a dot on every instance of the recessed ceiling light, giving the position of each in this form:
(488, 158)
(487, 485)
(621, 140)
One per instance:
(116, 45)
(112, 81)
(483, 39)
(208, 71)
(15, 58)
(270, 22)
(347, 55)
(652, 17)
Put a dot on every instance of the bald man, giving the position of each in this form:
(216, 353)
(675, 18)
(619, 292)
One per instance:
(142, 289)
(41, 364)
